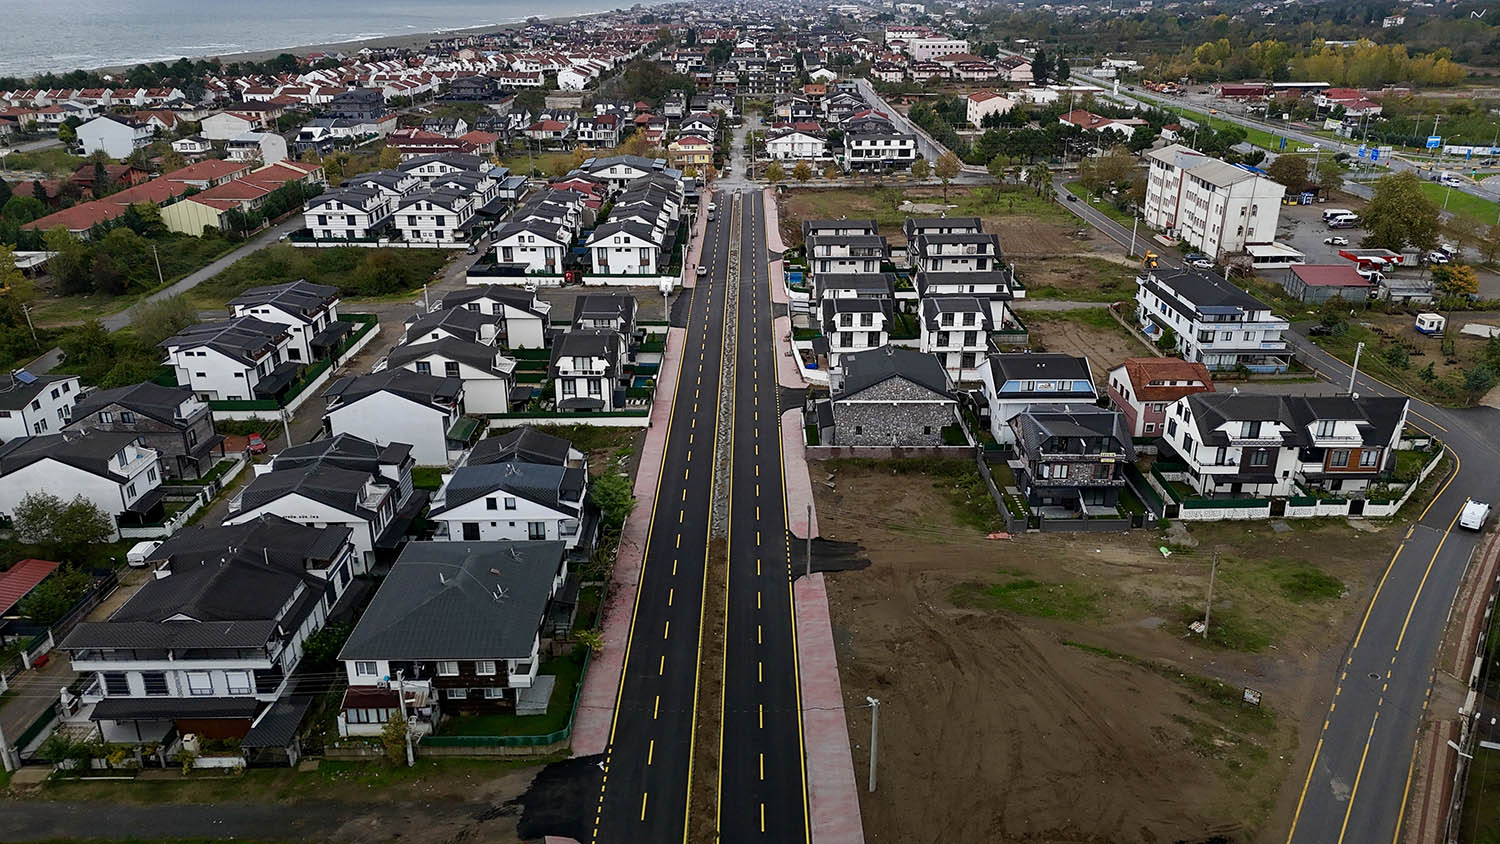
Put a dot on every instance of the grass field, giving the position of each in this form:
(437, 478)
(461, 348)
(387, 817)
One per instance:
(1484, 211)
(54, 161)
(1255, 137)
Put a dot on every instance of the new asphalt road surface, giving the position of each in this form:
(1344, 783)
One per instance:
(648, 761)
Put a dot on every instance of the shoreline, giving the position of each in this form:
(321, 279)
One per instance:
(411, 41)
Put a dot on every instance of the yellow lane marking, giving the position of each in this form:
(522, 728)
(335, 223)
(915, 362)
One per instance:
(667, 630)
(643, 805)
(661, 667)
(1349, 808)
(650, 751)
(655, 711)
(670, 592)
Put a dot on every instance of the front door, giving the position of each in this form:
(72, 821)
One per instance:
(471, 531)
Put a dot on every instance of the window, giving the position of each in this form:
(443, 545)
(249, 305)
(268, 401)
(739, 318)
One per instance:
(364, 668)
(471, 531)
(424, 368)
(1369, 457)
(456, 694)
(1150, 427)
(155, 682)
(536, 530)
(493, 693)
(127, 418)
(485, 668)
(1260, 458)
(1340, 457)
(510, 503)
(447, 668)
(1325, 427)
(1250, 430)
(450, 369)
(116, 683)
(199, 683)
(106, 417)
(238, 682)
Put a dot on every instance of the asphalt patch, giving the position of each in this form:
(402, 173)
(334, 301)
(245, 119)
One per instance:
(828, 555)
(562, 799)
(681, 307)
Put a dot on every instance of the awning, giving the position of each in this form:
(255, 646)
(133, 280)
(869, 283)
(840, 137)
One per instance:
(464, 429)
(280, 378)
(169, 709)
(332, 335)
(148, 502)
(278, 725)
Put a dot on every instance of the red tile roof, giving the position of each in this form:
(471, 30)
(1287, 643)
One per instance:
(21, 578)
(1142, 371)
(1330, 275)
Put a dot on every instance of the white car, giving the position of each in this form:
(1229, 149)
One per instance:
(702, 270)
(1436, 257)
(1473, 515)
(1336, 240)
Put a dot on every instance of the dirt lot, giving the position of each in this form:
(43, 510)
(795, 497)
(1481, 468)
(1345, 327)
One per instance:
(1043, 689)
(1079, 278)
(1027, 225)
(1088, 332)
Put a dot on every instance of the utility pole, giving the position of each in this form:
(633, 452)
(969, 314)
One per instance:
(1354, 370)
(1213, 570)
(26, 309)
(809, 544)
(1135, 223)
(7, 757)
(874, 736)
(159, 280)
(401, 700)
(286, 429)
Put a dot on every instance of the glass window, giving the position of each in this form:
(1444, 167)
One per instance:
(510, 503)
(456, 694)
(1340, 457)
(1369, 457)
(199, 683)
(493, 693)
(491, 504)
(365, 668)
(238, 682)
(155, 682)
(1260, 458)
(485, 667)
(127, 417)
(447, 669)
(116, 683)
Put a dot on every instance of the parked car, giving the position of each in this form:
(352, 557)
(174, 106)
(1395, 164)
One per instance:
(702, 270)
(1336, 240)
(1072, 198)
(1437, 257)
(255, 444)
(1199, 260)
(1318, 329)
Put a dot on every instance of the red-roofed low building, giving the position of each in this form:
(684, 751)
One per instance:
(484, 142)
(191, 215)
(1321, 282)
(982, 104)
(1143, 387)
(162, 191)
(1090, 122)
(18, 580)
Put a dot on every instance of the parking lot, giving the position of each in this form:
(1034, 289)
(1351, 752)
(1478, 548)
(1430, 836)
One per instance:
(1302, 228)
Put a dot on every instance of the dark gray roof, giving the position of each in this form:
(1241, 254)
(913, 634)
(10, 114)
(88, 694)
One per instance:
(862, 370)
(933, 307)
(589, 343)
(328, 484)
(915, 225)
(1202, 289)
(614, 306)
(461, 322)
(520, 299)
(277, 725)
(525, 444)
(297, 297)
(344, 450)
(283, 542)
(459, 600)
(91, 451)
(557, 487)
(242, 338)
(867, 283)
(16, 393)
(926, 280)
(147, 398)
(477, 355)
(1377, 416)
(462, 161)
(1028, 367)
(168, 708)
(814, 227)
(1071, 427)
(421, 389)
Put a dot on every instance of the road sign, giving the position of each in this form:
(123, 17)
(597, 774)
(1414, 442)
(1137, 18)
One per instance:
(1364, 151)
(1434, 141)
(1282, 145)
(1374, 155)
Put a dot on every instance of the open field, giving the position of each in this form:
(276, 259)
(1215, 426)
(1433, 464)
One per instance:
(1026, 223)
(1078, 278)
(1448, 357)
(1086, 332)
(1486, 212)
(1022, 681)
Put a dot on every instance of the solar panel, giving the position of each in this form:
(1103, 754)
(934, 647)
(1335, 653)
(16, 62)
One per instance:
(24, 377)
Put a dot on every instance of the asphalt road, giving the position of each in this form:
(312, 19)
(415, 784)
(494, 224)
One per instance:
(763, 782)
(1110, 227)
(644, 793)
(1358, 783)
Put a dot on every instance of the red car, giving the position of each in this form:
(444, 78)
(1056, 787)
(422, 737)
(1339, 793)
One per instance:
(256, 444)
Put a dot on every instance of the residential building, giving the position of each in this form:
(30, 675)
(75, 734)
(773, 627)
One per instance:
(1071, 456)
(207, 645)
(341, 481)
(916, 228)
(587, 369)
(235, 359)
(31, 405)
(691, 151)
(1244, 445)
(264, 147)
(1142, 388)
(116, 136)
(172, 421)
(469, 326)
(526, 445)
(845, 253)
(1012, 382)
(929, 48)
(855, 324)
(1090, 122)
(880, 150)
(522, 313)
(627, 247)
(1218, 208)
(982, 104)
(795, 144)
(458, 625)
(1164, 183)
(309, 311)
(439, 216)
(890, 396)
(1211, 321)
(115, 472)
(487, 374)
(348, 213)
(956, 331)
(515, 501)
(954, 253)
(398, 405)
(613, 311)
(537, 246)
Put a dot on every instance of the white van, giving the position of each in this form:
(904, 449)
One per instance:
(1330, 213)
(1345, 220)
(1473, 515)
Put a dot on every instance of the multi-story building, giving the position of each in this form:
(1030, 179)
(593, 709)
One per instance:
(234, 359)
(1071, 456)
(1142, 388)
(956, 329)
(348, 213)
(170, 420)
(114, 471)
(1012, 382)
(587, 369)
(1219, 208)
(31, 405)
(309, 311)
(1211, 321)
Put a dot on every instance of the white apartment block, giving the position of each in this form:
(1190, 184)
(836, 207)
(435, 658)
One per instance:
(1212, 321)
(1219, 208)
(926, 49)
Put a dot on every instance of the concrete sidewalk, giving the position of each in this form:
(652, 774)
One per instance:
(596, 704)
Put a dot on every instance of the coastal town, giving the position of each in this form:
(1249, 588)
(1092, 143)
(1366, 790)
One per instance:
(1131, 379)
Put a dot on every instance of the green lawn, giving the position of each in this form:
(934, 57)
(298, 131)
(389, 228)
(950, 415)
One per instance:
(1255, 137)
(1068, 601)
(1484, 211)
(567, 669)
(54, 161)
(427, 477)
(1103, 206)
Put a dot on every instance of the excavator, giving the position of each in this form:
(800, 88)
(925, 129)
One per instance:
(1150, 260)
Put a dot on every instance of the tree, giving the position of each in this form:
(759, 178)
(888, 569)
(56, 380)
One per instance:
(998, 168)
(172, 160)
(1289, 170)
(156, 320)
(775, 173)
(23, 209)
(946, 169)
(321, 649)
(71, 262)
(1064, 70)
(1489, 245)
(920, 169)
(67, 134)
(1041, 67)
(830, 172)
(393, 739)
(63, 528)
(389, 158)
(52, 598)
(1330, 175)
(1400, 214)
(611, 493)
(1455, 280)
(1038, 178)
(802, 172)
(1167, 341)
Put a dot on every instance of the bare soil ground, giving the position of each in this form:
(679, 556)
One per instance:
(1089, 332)
(1043, 689)
(1082, 278)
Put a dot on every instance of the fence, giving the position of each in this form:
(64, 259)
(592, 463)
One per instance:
(613, 419)
(887, 452)
(44, 642)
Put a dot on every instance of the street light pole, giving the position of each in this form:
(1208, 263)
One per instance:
(1213, 571)
(1134, 224)
(159, 279)
(874, 736)
(401, 701)
(1354, 371)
